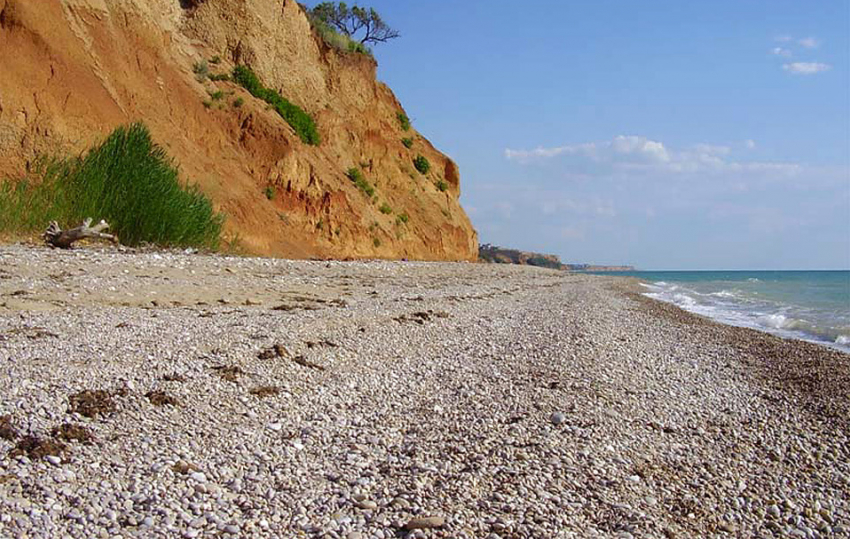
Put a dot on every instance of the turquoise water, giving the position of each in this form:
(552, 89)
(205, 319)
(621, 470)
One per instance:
(810, 305)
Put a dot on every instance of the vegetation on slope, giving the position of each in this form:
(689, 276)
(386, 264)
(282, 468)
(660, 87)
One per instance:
(129, 181)
(294, 115)
(350, 28)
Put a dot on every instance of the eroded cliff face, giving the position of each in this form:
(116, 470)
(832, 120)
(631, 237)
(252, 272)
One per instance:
(73, 70)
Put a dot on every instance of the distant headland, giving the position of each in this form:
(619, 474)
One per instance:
(493, 254)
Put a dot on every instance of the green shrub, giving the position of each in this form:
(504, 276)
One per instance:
(421, 164)
(385, 209)
(201, 70)
(335, 39)
(300, 121)
(357, 178)
(402, 218)
(442, 186)
(238, 102)
(270, 192)
(219, 76)
(216, 95)
(129, 181)
(403, 121)
(408, 142)
(215, 60)
(376, 242)
(207, 103)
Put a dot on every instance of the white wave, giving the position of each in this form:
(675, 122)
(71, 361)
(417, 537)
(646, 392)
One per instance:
(843, 340)
(723, 294)
(775, 321)
(684, 300)
(753, 280)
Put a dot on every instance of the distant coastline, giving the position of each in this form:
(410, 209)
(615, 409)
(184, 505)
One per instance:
(493, 254)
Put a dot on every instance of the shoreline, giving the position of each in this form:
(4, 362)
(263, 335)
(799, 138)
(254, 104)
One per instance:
(504, 401)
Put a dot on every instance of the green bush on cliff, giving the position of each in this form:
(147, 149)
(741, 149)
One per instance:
(337, 40)
(129, 181)
(422, 165)
(359, 181)
(294, 115)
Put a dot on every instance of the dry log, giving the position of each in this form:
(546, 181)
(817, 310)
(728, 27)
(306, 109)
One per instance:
(56, 237)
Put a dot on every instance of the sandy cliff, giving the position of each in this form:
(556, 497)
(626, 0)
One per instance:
(73, 70)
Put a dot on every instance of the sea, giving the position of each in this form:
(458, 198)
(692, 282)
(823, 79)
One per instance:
(808, 305)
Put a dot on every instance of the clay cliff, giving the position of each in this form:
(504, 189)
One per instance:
(500, 255)
(73, 70)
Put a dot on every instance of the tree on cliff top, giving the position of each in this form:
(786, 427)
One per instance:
(351, 20)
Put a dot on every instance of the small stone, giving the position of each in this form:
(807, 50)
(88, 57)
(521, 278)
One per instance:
(422, 523)
(354, 535)
(368, 505)
(53, 459)
(557, 418)
(199, 477)
(275, 426)
(728, 528)
(231, 529)
(400, 502)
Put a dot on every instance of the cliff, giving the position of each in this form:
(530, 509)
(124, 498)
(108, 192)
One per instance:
(73, 70)
(500, 255)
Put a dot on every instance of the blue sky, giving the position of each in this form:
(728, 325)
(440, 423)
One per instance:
(665, 134)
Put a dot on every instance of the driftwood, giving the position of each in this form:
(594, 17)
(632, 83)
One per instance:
(56, 237)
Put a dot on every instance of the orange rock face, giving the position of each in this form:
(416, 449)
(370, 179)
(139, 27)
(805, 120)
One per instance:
(73, 70)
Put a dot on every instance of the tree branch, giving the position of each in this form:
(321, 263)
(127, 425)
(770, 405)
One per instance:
(56, 237)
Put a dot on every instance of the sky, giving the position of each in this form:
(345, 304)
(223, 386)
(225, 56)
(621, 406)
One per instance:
(663, 134)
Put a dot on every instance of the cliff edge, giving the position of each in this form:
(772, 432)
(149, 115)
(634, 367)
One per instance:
(73, 70)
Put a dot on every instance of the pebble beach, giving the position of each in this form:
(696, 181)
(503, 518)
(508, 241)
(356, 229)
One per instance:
(171, 394)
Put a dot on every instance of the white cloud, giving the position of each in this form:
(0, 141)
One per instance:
(525, 155)
(809, 42)
(780, 51)
(806, 68)
(750, 144)
(640, 148)
(783, 39)
(631, 153)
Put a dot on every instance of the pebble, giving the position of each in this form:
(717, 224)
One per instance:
(425, 523)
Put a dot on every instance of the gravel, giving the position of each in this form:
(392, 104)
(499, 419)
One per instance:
(410, 400)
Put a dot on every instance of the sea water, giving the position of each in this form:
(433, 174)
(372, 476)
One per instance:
(809, 305)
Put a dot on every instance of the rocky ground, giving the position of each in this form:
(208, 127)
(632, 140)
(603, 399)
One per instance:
(150, 394)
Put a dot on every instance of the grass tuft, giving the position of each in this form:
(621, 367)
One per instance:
(294, 115)
(357, 178)
(127, 180)
(442, 186)
(385, 209)
(421, 164)
(201, 70)
(408, 142)
(403, 121)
